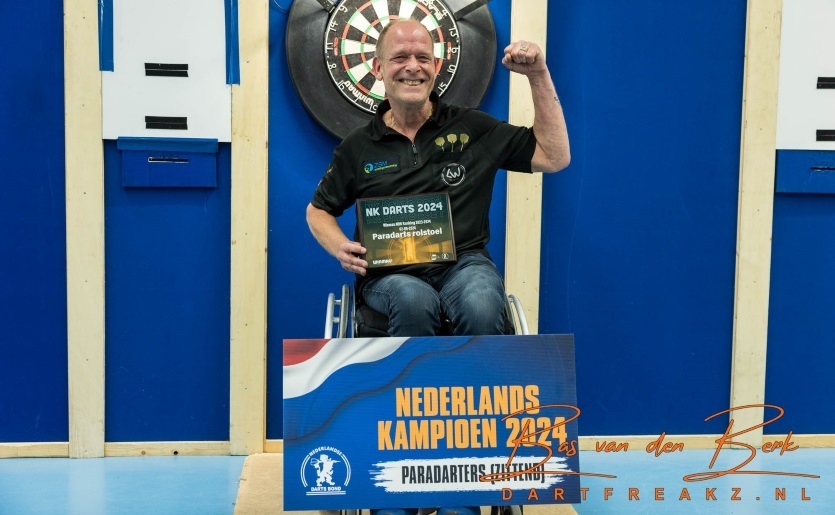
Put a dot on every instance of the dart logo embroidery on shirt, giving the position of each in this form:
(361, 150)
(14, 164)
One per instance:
(452, 142)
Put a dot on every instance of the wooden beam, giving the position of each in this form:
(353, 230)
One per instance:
(273, 446)
(85, 229)
(166, 448)
(587, 443)
(248, 333)
(528, 21)
(35, 450)
(756, 206)
(816, 441)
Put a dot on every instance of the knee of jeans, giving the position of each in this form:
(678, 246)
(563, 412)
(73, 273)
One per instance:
(482, 293)
(415, 315)
(480, 314)
(411, 300)
(480, 323)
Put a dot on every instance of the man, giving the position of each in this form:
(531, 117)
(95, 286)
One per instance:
(434, 148)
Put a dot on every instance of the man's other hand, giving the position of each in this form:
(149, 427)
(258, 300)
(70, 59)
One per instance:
(347, 256)
(524, 57)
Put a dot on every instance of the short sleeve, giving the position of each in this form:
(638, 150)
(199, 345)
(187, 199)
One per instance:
(520, 148)
(337, 190)
(512, 147)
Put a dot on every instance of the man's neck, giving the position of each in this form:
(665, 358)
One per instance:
(408, 121)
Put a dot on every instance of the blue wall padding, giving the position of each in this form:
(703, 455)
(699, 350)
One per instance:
(301, 274)
(33, 299)
(167, 316)
(801, 321)
(168, 169)
(639, 233)
(106, 35)
(168, 162)
(194, 145)
(233, 69)
(805, 171)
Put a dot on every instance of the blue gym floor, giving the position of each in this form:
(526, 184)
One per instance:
(143, 485)
(208, 484)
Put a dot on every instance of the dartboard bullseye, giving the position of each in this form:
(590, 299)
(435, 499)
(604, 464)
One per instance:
(351, 39)
(330, 47)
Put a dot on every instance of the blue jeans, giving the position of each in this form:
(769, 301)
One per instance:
(470, 292)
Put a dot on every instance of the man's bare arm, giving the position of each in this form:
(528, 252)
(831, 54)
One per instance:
(552, 152)
(327, 232)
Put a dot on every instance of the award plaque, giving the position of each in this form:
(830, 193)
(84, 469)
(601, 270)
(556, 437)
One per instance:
(406, 230)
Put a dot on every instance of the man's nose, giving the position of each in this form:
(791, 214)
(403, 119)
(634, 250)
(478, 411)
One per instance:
(412, 64)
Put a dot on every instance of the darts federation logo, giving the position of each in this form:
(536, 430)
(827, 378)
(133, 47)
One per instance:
(325, 471)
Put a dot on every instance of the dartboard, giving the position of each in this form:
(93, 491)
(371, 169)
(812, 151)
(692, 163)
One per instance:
(330, 48)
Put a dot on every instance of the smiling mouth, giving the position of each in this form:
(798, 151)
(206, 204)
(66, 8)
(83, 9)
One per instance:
(409, 82)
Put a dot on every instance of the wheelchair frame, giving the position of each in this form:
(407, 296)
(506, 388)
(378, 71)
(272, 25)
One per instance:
(347, 305)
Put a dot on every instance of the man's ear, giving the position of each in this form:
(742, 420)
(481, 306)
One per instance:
(377, 68)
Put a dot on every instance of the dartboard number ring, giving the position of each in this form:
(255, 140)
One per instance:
(351, 37)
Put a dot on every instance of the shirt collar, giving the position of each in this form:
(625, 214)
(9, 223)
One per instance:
(379, 127)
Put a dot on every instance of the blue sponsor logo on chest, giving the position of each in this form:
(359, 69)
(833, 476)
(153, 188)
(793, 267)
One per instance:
(379, 166)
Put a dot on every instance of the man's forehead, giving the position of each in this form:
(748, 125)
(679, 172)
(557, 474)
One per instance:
(404, 31)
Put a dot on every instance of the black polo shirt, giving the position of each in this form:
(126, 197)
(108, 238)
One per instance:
(458, 150)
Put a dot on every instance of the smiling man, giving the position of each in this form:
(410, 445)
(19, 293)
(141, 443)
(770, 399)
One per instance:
(405, 62)
(419, 145)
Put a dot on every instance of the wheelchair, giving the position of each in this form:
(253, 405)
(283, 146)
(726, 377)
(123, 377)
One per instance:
(352, 318)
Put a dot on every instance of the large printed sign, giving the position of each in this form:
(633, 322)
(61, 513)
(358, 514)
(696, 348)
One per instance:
(428, 422)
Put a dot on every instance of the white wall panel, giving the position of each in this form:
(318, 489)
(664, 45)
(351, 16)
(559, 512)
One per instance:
(188, 32)
(806, 53)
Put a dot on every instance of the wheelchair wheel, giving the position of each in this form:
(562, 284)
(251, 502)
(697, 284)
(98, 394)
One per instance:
(329, 318)
(344, 320)
(517, 314)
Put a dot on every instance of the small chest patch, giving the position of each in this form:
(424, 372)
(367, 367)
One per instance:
(453, 174)
(387, 164)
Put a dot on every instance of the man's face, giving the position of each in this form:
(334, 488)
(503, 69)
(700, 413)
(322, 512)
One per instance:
(407, 65)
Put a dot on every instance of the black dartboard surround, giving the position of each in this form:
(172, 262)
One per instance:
(317, 66)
